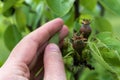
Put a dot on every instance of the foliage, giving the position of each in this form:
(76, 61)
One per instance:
(20, 17)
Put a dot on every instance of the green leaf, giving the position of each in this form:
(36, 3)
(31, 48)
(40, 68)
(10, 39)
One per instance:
(100, 73)
(19, 3)
(25, 13)
(9, 12)
(110, 56)
(68, 61)
(97, 56)
(37, 1)
(11, 36)
(109, 39)
(112, 5)
(55, 39)
(38, 15)
(69, 18)
(20, 19)
(111, 49)
(88, 4)
(60, 7)
(104, 35)
(8, 4)
(69, 75)
(101, 24)
(3, 52)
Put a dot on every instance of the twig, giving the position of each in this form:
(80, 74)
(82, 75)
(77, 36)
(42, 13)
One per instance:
(102, 12)
(76, 6)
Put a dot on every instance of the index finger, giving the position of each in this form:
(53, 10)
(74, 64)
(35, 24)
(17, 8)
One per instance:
(26, 49)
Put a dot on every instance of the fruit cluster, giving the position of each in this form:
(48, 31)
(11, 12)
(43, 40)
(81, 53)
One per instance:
(80, 38)
(79, 42)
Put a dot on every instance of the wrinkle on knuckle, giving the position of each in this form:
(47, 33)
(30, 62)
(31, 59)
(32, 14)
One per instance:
(22, 70)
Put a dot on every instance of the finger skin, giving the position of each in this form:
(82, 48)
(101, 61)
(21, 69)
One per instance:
(35, 66)
(64, 32)
(25, 51)
(53, 63)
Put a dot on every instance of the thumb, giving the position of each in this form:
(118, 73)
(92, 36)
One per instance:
(53, 63)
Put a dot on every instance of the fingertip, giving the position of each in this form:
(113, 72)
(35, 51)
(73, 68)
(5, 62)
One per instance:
(59, 20)
(52, 47)
(64, 32)
(53, 63)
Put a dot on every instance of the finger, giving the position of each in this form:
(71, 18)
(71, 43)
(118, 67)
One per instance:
(63, 33)
(25, 51)
(53, 63)
(39, 62)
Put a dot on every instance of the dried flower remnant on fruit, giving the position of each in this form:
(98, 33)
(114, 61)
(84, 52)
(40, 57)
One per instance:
(79, 39)
(78, 43)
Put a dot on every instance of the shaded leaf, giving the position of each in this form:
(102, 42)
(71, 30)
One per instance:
(8, 4)
(108, 39)
(3, 52)
(11, 36)
(101, 24)
(20, 19)
(69, 18)
(110, 57)
(9, 12)
(89, 4)
(111, 53)
(97, 56)
(55, 39)
(112, 5)
(69, 75)
(37, 1)
(60, 7)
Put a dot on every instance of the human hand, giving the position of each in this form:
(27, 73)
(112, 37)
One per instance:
(29, 55)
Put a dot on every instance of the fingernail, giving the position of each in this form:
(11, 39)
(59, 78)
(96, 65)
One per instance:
(53, 47)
